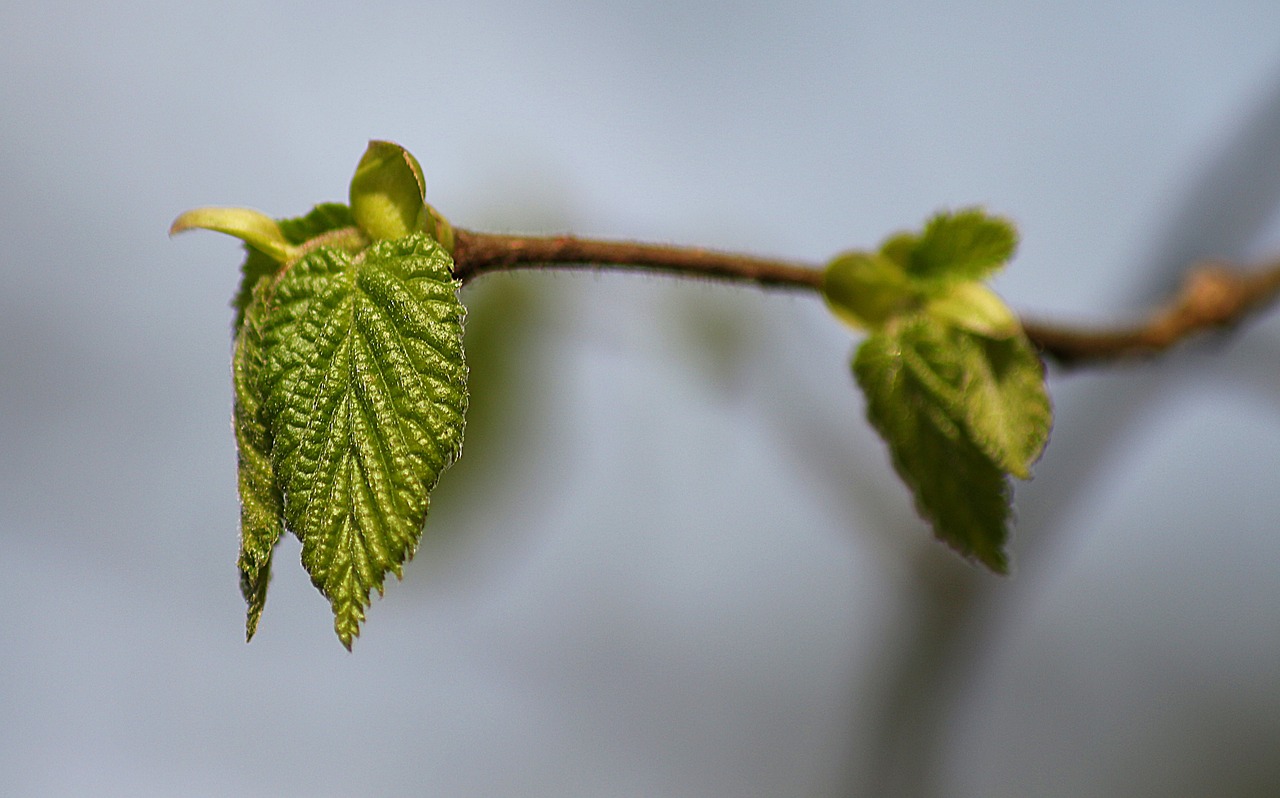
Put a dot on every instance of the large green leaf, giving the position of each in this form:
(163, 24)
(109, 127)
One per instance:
(909, 373)
(364, 388)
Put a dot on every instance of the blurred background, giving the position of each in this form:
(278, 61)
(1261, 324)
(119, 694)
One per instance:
(673, 559)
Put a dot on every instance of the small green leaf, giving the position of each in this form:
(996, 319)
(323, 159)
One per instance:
(898, 248)
(958, 246)
(388, 196)
(994, 388)
(1006, 406)
(261, 519)
(908, 377)
(939, 268)
(388, 192)
(974, 307)
(865, 289)
(256, 229)
(364, 387)
(323, 218)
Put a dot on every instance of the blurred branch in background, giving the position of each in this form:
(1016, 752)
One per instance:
(945, 620)
(955, 623)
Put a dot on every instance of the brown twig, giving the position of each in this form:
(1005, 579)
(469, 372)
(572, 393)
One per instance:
(482, 253)
(1213, 296)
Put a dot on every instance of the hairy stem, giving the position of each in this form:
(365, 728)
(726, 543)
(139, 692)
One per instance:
(1213, 296)
(484, 253)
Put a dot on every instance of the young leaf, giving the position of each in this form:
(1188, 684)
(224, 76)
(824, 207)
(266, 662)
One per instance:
(388, 192)
(908, 381)
(959, 246)
(867, 289)
(256, 229)
(364, 384)
(974, 307)
(323, 218)
(993, 386)
(261, 519)
(1006, 405)
(898, 248)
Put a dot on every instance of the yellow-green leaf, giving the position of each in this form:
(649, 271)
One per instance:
(866, 289)
(388, 192)
(973, 306)
(254, 228)
(961, 245)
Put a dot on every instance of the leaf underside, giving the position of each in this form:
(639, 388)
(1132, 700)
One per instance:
(261, 520)
(357, 367)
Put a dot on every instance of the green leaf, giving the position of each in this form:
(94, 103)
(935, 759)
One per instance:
(974, 307)
(1005, 403)
(865, 289)
(388, 192)
(261, 513)
(898, 248)
(958, 246)
(993, 386)
(388, 196)
(364, 388)
(323, 218)
(256, 229)
(908, 373)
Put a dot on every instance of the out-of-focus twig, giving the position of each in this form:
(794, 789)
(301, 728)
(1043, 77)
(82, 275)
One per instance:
(1213, 295)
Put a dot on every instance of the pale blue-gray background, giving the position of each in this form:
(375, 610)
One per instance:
(673, 560)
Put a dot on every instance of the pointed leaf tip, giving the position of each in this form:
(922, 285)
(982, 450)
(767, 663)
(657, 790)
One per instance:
(364, 394)
(252, 227)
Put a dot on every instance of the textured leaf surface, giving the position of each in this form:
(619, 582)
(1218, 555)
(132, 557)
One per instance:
(261, 505)
(322, 219)
(909, 377)
(1004, 399)
(364, 384)
(958, 246)
(994, 388)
